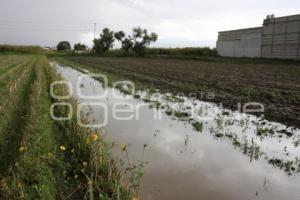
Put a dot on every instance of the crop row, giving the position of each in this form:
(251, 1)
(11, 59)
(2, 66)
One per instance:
(14, 97)
(46, 159)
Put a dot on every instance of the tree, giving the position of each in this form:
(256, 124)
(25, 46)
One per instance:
(141, 40)
(138, 41)
(105, 42)
(127, 44)
(63, 46)
(79, 47)
(119, 35)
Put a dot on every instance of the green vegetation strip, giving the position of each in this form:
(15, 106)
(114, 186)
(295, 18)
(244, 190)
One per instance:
(5, 60)
(11, 82)
(13, 117)
(46, 159)
(32, 177)
(6, 63)
(88, 166)
(9, 68)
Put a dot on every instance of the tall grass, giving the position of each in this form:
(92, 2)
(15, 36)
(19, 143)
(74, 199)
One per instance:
(8, 71)
(22, 49)
(169, 52)
(188, 51)
(46, 159)
(13, 113)
(32, 176)
(90, 169)
(6, 60)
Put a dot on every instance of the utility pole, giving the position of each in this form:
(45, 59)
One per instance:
(95, 27)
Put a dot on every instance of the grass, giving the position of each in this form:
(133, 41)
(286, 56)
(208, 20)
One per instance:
(198, 126)
(13, 113)
(8, 62)
(46, 159)
(13, 49)
(32, 176)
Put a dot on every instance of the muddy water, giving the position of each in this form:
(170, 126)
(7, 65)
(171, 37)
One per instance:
(231, 156)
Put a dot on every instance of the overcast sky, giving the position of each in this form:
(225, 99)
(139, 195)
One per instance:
(179, 23)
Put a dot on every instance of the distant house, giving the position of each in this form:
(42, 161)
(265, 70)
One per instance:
(86, 51)
(277, 38)
(49, 48)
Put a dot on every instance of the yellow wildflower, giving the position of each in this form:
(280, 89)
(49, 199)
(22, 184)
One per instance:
(84, 164)
(123, 147)
(23, 148)
(62, 148)
(134, 198)
(19, 185)
(94, 137)
(88, 141)
(50, 155)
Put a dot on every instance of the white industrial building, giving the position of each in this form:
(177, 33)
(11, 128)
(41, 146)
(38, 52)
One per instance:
(277, 38)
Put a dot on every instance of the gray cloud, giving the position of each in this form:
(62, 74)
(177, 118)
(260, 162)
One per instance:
(179, 23)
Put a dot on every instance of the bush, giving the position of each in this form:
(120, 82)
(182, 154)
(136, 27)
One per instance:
(79, 47)
(63, 46)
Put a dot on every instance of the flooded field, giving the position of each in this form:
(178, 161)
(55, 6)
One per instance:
(276, 84)
(193, 149)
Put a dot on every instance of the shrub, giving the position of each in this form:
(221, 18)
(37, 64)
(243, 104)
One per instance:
(63, 46)
(79, 47)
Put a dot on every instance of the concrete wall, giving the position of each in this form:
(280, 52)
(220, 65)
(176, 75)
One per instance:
(278, 38)
(240, 43)
(281, 37)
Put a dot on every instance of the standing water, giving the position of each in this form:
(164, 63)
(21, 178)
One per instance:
(231, 156)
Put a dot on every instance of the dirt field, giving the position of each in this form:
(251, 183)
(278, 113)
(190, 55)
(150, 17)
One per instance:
(276, 85)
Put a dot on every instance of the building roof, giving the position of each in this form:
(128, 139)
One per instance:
(244, 29)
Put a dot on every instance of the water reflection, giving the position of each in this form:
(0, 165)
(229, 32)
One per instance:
(232, 156)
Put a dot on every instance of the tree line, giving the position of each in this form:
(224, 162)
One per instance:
(137, 42)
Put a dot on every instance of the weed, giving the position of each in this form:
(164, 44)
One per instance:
(198, 126)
